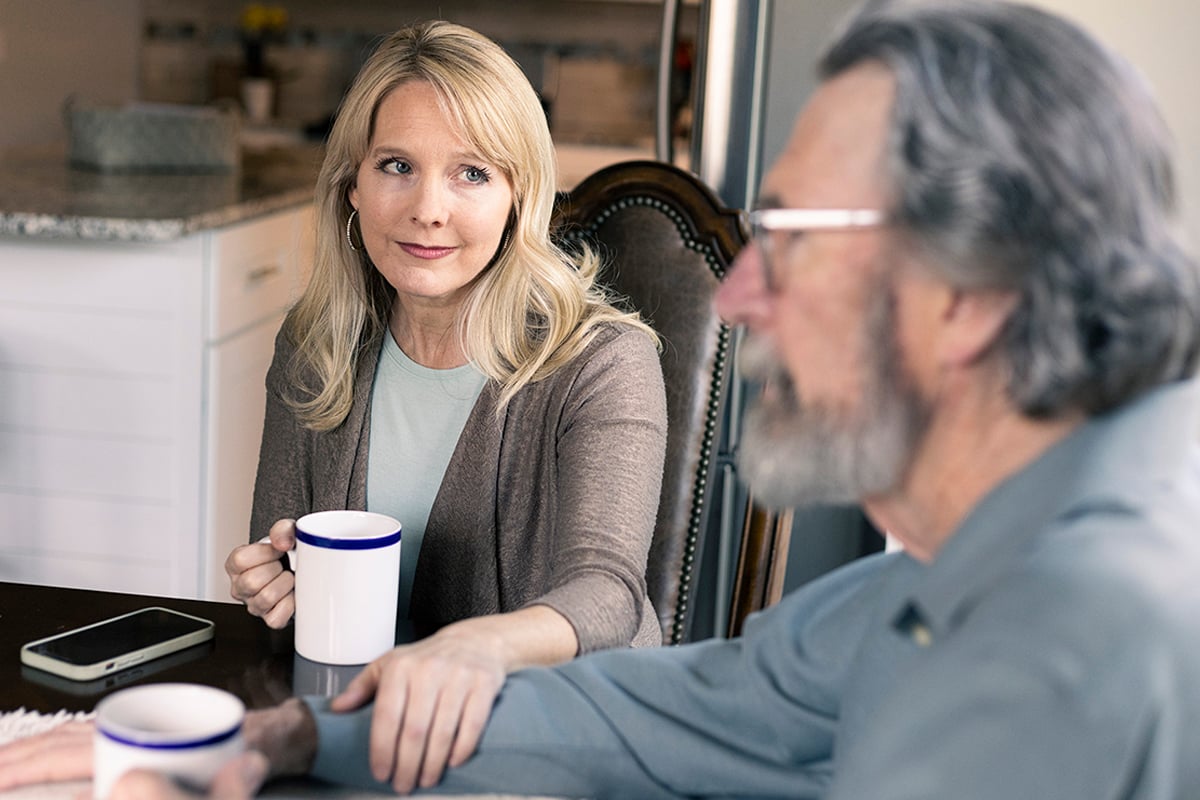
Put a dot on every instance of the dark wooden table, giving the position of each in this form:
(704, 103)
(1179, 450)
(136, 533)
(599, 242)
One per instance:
(245, 656)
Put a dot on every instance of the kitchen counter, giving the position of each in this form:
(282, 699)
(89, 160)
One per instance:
(43, 197)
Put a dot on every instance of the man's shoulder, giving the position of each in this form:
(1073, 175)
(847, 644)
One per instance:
(1106, 586)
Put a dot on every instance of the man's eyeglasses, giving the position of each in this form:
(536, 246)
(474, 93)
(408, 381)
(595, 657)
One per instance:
(773, 229)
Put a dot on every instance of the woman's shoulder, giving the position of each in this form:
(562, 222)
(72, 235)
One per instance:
(619, 356)
(615, 336)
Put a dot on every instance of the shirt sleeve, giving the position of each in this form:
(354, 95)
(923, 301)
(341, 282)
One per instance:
(747, 717)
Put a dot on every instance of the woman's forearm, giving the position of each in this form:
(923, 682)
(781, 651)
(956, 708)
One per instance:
(533, 636)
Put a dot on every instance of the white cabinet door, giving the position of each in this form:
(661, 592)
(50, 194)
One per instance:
(131, 402)
(236, 399)
(100, 380)
(257, 271)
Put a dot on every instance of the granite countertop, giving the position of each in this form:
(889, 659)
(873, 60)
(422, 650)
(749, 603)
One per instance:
(43, 197)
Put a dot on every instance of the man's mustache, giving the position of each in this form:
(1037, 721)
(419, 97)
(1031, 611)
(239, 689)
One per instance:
(759, 364)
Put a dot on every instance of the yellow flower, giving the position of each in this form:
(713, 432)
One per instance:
(259, 18)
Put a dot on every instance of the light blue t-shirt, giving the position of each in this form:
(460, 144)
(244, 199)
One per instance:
(417, 416)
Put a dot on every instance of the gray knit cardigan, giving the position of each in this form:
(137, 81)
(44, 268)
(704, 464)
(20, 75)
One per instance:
(552, 502)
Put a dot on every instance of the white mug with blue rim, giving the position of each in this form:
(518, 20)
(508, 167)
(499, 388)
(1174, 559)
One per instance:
(183, 730)
(347, 566)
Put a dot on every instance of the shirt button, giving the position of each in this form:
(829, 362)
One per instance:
(920, 634)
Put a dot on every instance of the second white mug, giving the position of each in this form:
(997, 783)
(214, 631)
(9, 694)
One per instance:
(184, 730)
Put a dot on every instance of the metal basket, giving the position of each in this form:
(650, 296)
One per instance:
(153, 138)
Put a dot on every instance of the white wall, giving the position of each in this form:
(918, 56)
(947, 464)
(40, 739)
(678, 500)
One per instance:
(50, 49)
(1160, 38)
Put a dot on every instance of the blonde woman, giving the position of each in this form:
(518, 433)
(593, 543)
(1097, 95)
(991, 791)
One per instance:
(449, 366)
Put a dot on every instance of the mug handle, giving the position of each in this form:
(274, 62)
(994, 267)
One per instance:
(291, 554)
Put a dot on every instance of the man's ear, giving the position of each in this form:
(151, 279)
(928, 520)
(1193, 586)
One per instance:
(971, 323)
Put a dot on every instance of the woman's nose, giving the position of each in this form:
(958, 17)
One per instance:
(429, 203)
(742, 297)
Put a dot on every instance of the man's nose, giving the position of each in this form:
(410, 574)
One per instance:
(742, 297)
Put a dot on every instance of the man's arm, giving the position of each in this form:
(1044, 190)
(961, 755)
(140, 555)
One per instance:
(750, 716)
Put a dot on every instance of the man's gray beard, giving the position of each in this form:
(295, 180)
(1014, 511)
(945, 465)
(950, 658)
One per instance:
(793, 454)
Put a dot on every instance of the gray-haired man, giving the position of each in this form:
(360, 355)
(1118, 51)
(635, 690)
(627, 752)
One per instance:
(970, 313)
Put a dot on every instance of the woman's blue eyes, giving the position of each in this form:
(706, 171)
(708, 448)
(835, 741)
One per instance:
(396, 166)
(477, 175)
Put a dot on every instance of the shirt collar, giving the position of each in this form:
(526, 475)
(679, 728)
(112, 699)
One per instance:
(1112, 455)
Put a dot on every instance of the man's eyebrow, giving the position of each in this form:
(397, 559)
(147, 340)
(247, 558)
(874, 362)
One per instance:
(768, 201)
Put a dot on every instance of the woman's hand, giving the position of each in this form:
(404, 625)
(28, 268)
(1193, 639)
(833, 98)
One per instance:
(433, 697)
(432, 700)
(257, 579)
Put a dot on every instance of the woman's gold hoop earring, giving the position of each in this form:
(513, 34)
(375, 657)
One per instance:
(349, 222)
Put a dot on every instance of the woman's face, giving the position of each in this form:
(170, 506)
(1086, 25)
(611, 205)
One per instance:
(431, 209)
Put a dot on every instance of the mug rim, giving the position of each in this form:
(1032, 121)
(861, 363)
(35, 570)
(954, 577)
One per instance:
(199, 735)
(387, 532)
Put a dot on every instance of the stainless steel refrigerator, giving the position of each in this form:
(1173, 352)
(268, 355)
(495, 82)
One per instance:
(754, 68)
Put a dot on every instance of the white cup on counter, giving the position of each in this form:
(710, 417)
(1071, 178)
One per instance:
(183, 730)
(347, 566)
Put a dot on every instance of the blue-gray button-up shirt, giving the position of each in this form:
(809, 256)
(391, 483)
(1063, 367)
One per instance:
(1051, 650)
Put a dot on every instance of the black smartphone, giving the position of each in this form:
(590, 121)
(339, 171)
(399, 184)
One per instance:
(104, 647)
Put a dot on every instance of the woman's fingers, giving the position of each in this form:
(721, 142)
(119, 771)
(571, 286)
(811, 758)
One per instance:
(389, 714)
(283, 535)
(274, 600)
(475, 714)
(432, 701)
(447, 722)
(250, 568)
(281, 594)
(428, 707)
(361, 688)
(258, 579)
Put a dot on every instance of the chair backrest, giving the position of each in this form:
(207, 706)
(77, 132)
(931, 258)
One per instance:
(667, 240)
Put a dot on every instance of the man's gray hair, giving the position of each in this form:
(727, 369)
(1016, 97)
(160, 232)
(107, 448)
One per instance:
(1023, 155)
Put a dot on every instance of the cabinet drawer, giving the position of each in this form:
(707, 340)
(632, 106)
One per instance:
(253, 274)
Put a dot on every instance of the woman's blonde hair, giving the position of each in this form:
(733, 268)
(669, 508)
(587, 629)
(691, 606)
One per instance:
(531, 311)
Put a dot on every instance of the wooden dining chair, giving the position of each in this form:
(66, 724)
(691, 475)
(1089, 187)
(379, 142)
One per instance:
(666, 241)
(762, 563)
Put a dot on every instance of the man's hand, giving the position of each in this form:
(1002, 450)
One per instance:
(63, 753)
(241, 777)
(283, 741)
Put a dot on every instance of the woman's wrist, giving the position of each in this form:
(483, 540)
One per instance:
(533, 636)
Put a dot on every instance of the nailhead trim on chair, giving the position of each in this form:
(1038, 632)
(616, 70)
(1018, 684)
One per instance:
(700, 479)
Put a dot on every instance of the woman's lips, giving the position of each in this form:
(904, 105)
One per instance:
(425, 251)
